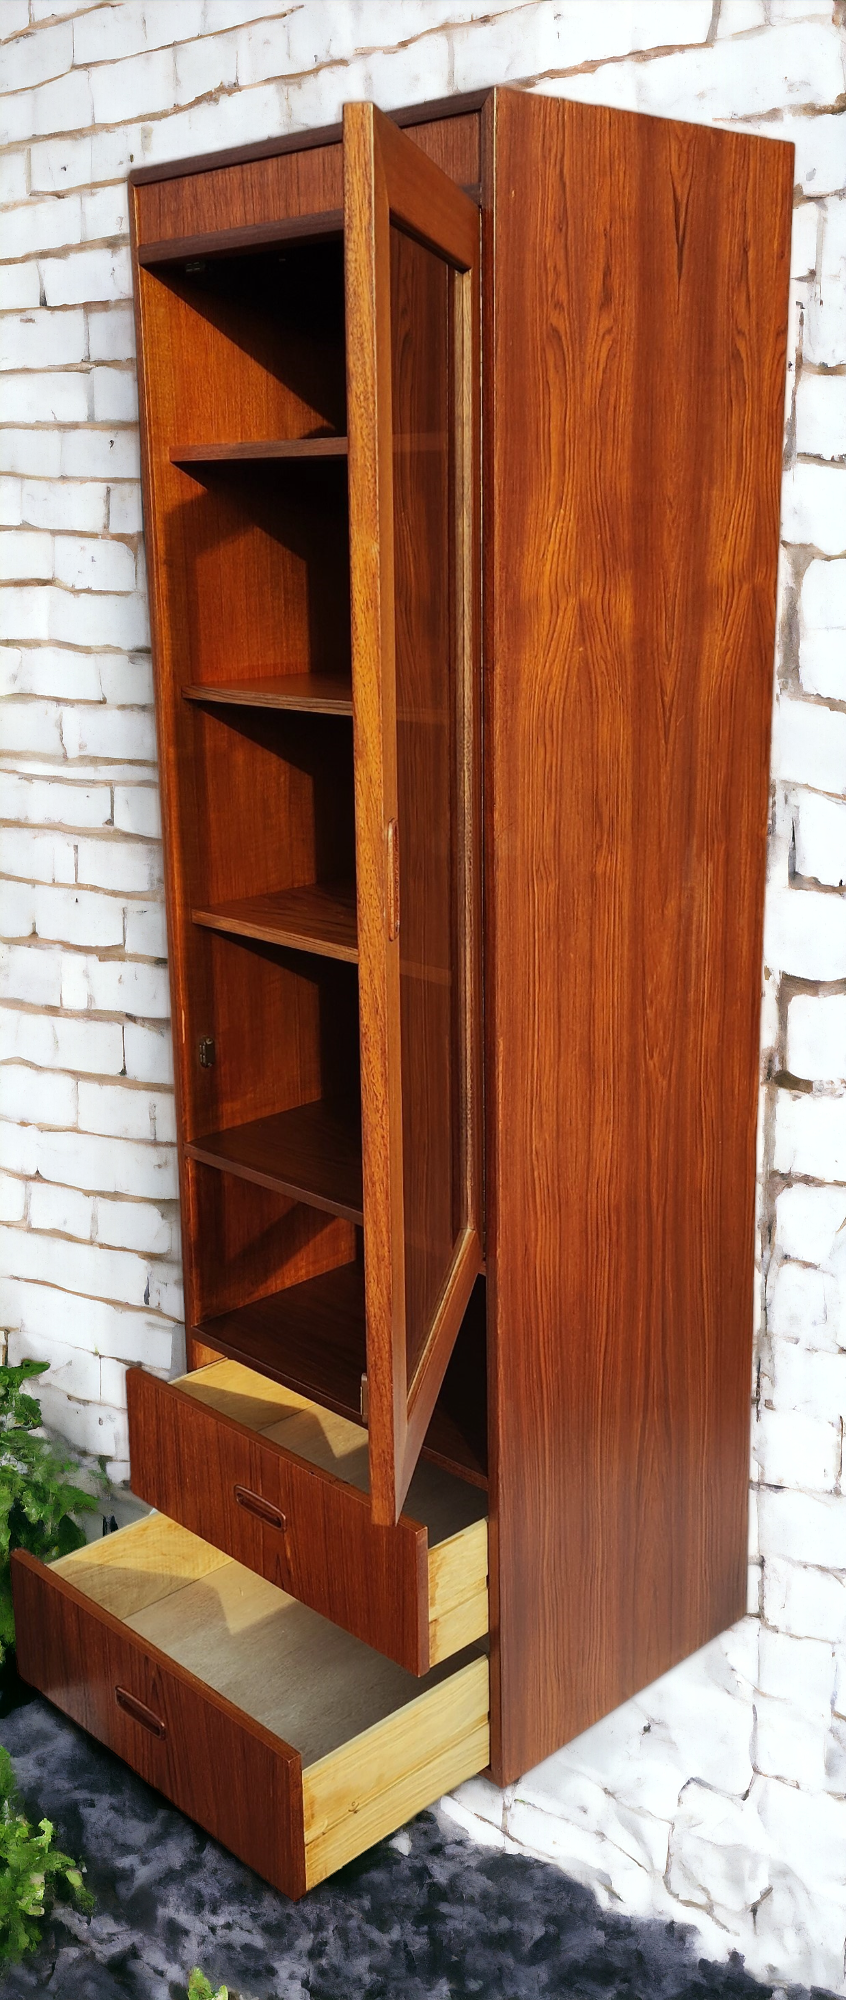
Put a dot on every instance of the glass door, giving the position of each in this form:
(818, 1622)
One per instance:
(412, 290)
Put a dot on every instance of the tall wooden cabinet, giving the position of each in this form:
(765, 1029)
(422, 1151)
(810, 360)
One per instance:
(461, 438)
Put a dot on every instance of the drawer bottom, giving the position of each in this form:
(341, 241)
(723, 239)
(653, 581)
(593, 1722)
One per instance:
(291, 1742)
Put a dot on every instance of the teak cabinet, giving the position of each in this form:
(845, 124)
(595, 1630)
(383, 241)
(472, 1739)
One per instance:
(461, 441)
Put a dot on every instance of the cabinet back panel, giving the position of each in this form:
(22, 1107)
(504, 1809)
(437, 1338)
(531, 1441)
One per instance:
(284, 1026)
(635, 369)
(251, 1242)
(269, 804)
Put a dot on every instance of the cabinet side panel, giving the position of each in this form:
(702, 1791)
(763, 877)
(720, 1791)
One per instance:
(636, 322)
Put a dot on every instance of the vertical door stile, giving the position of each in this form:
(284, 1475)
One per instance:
(412, 278)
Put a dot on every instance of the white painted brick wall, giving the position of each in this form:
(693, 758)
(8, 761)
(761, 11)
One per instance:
(718, 1795)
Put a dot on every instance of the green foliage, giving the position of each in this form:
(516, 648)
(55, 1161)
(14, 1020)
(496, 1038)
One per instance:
(199, 1987)
(32, 1873)
(37, 1503)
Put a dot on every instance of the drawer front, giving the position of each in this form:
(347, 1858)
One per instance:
(216, 1764)
(307, 1532)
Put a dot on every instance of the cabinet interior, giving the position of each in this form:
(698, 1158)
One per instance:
(251, 382)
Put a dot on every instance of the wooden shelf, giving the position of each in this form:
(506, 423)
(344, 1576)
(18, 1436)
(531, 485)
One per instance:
(248, 240)
(319, 918)
(313, 1339)
(312, 1153)
(313, 694)
(255, 451)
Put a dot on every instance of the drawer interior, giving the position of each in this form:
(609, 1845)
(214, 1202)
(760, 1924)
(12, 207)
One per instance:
(375, 1742)
(453, 1512)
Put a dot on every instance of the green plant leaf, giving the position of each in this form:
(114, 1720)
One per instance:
(200, 1988)
(32, 1873)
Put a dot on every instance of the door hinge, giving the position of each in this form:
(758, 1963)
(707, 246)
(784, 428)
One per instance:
(206, 1051)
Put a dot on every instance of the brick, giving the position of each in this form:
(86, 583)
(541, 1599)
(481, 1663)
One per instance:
(807, 1382)
(63, 1210)
(737, 17)
(105, 213)
(790, 1743)
(821, 415)
(786, 1664)
(121, 1112)
(107, 1165)
(51, 398)
(92, 454)
(26, 616)
(31, 973)
(134, 27)
(793, 1450)
(123, 735)
(62, 106)
(207, 65)
(810, 1136)
(13, 178)
(126, 683)
(55, 672)
(49, 802)
(86, 619)
(34, 58)
(125, 509)
(137, 810)
(145, 930)
(25, 556)
(90, 564)
(21, 287)
(805, 933)
(73, 916)
(135, 1225)
(31, 725)
(149, 1054)
(801, 1527)
(816, 1036)
(42, 339)
(86, 275)
(133, 89)
(12, 1198)
(52, 1041)
(64, 503)
(813, 506)
(42, 225)
(60, 163)
(111, 334)
(35, 452)
(809, 1221)
(130, 865)
(18, 1150)
(115, 396)
(823, 598)
(10, 501)
(822, 663)
(804, 1304)
(111, 986)
(39, 857)
(36, 1099)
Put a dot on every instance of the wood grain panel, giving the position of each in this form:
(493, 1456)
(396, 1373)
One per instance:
(636, 314)
(318, 694)
(234, 197)
(79, 1655)
(312, 1152)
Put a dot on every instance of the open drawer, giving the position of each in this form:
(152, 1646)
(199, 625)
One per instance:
(281, 1484)
(292, 1743)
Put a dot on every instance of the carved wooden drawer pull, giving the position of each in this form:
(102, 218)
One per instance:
(272, 1516)
(140, 1712)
